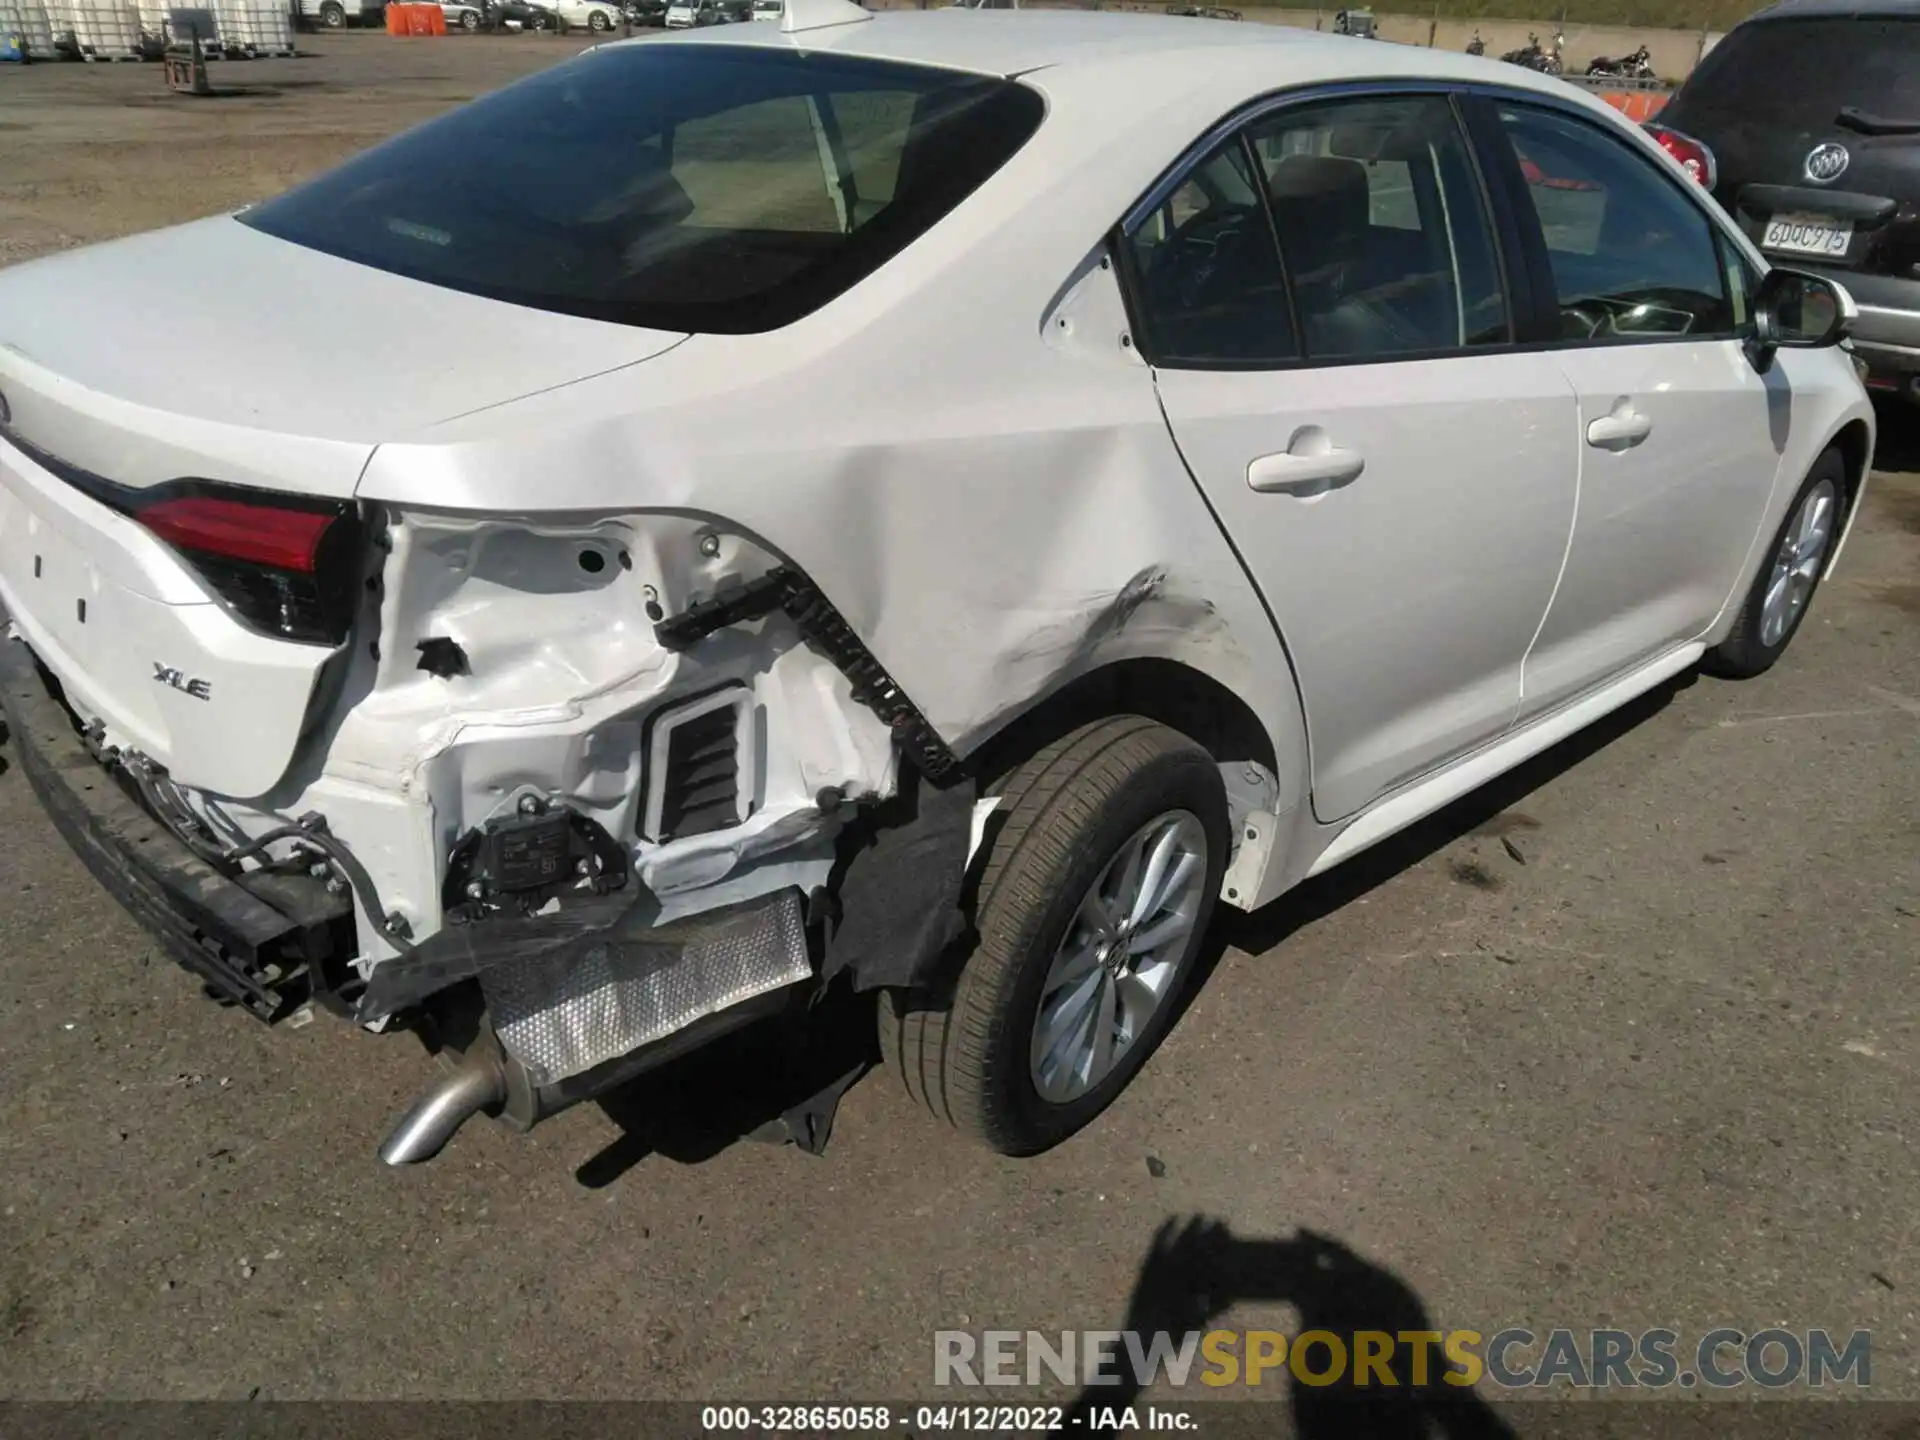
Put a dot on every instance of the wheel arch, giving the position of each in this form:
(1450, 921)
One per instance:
(1854, 440)
(1855, 443)
(1178, 695)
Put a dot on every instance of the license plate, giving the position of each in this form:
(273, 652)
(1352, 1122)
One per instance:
(1808, 234)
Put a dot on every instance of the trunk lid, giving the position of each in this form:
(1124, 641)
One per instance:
(219, 351)
(216, 353)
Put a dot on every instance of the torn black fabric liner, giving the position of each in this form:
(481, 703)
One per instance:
(900, 887)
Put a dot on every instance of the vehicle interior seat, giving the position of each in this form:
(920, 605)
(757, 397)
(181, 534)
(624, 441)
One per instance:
(1358, 293)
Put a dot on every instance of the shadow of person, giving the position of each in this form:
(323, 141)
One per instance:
(1196, 1270)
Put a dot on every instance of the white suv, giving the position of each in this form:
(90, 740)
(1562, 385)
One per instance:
(338, 14)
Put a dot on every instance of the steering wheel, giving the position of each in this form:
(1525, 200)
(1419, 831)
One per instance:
(1585, 320)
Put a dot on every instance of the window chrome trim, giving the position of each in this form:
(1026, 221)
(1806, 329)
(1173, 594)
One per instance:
(1264, 105)
(1574, 107)
(1238, 123)
(1222, 130)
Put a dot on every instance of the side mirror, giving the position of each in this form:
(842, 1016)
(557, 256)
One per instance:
(1795, 310)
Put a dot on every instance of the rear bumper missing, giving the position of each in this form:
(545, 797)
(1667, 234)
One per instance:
(257, 941)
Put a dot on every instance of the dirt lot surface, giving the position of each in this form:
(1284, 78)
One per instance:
(1630, 1042)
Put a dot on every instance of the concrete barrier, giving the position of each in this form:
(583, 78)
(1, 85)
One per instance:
(1674, 52)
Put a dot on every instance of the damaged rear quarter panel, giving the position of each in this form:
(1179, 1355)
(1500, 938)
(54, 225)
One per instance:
(987, 544)
(992, 513)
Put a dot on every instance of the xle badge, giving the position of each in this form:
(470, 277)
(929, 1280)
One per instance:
(167, 675)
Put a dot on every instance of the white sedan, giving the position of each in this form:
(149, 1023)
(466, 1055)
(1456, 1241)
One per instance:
(961, 496)
(599, 16)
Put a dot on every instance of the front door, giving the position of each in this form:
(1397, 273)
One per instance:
(1680, 436)
(1398, 479)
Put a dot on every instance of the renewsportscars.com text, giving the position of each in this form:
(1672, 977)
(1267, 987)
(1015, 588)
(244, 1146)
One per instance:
(1724, 1358)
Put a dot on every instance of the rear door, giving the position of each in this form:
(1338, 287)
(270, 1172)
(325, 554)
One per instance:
(1680, 437)
(1324, 304)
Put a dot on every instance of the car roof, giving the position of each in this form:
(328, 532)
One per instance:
(1838, 9)
(1225, 57)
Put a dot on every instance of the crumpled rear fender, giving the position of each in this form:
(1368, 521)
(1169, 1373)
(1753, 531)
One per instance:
(993, 517)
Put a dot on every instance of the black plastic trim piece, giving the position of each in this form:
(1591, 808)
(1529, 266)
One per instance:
(827, 630)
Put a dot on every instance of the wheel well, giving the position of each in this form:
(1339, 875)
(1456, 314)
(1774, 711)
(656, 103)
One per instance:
(1176, 695)
(1852, 444)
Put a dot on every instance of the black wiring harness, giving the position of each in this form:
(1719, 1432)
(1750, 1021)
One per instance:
(309, 834)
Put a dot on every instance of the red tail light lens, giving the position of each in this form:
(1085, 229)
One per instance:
(1696, 159)
(236, 530)
(286, 566)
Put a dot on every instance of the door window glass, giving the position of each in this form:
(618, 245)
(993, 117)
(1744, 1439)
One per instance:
(1633, 258)
(1208, 274)
(1384, 228)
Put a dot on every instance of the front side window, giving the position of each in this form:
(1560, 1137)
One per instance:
(1632, 257)
(1383, 226)
(725, 189)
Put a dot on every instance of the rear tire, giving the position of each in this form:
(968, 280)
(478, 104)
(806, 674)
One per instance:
(333, 16)
(598, 22)
(1076, 816)
(1793, 562)
(470, 21)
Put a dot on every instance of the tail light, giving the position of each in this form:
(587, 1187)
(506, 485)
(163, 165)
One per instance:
(1696, 159)
(284, 565)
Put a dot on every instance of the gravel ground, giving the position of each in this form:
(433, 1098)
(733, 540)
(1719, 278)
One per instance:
(1629, 1042)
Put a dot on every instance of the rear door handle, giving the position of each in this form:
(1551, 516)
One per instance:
(1620, 430)
(1308, 471)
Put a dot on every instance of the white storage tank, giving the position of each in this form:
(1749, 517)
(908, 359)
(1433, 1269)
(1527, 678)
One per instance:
(153, 19)
(103, 29)
(30, 21)
(254, 27)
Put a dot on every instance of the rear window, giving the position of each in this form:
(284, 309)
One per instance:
(1799, 73)
(724, 189)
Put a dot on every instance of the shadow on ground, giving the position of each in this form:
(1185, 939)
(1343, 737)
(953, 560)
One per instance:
(1197, 1269)
(1898, 446)
(1489, 810)
(776, 1080)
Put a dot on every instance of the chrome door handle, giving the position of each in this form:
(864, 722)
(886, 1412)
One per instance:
(1624, 428)
(1308, 474)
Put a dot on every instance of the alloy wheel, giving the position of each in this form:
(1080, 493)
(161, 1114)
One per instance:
(1116, 965)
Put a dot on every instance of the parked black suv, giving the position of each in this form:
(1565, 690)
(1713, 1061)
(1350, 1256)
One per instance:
(1812, 112)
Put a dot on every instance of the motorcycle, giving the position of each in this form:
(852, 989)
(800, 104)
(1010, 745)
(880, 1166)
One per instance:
(1637, 66)
(1532, 56)
(1476, 46)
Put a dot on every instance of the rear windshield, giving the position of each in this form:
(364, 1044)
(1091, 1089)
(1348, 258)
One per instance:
(725, 189)
(1800, 73)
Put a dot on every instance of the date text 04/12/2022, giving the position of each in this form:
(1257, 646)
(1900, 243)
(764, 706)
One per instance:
(933, 1419)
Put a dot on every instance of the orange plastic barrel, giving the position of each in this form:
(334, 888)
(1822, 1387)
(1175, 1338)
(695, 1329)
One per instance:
(1638, 106)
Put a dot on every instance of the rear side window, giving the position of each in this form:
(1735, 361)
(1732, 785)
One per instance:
(1352, 230)
(1383, 228)
(1208, 273)
(704, 188)
(1632, 257)
(1799, 74)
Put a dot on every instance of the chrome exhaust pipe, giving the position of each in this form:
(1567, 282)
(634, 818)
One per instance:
(477, 1083)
